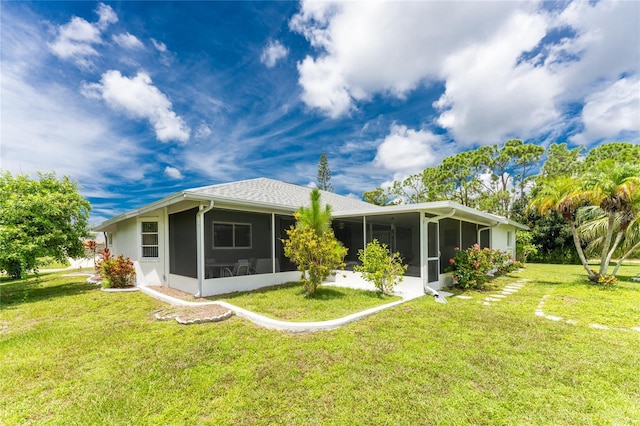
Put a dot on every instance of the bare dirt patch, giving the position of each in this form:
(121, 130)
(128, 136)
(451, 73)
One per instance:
(195, 314)
(178, 294)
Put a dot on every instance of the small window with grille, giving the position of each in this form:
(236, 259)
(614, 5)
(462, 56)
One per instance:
(149, 240)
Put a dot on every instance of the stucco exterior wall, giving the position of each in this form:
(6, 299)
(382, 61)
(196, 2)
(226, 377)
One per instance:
(503, 237)
(215, 286)
(127, 240)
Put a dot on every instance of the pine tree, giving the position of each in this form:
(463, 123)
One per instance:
(324, 174)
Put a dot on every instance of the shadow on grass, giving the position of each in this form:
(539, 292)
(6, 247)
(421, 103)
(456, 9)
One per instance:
(16, 292)
(325, 293)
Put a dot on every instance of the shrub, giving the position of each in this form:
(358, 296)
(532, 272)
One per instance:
(316, 255)
(474, 267)
(606, 281)
(380, 267)
(118, 273)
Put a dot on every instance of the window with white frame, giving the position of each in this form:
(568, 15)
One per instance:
(508, 238)
(149, 239)
(231, 235)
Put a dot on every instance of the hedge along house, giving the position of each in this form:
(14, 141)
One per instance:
(225, 238)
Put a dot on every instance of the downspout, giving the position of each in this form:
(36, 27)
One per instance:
(200, 242)
(437, 297)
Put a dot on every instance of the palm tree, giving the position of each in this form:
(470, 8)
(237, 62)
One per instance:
(565, 196)
(615, 189)
(594, 228)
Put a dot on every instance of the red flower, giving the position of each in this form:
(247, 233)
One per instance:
(476, 265)
(451, 261)
(456, 248)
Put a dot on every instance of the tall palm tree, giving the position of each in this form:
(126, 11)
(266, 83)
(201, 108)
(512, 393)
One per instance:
(565, 196)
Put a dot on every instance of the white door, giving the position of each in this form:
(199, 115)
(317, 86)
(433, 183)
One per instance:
(433, 254)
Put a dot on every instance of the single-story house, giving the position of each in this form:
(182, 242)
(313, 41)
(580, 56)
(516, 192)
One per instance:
(223, 238)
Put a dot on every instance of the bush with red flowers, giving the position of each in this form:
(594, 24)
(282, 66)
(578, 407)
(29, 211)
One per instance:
(474, 267)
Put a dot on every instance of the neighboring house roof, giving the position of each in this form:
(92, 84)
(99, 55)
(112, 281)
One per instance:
(272, 194)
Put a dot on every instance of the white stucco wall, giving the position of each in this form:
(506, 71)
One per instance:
(215, 286)
(503, 237)
(127, 240)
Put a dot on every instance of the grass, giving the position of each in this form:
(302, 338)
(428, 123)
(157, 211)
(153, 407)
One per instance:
(288, 302)
(71, 354)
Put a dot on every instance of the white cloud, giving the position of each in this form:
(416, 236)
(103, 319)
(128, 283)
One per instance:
(503, 76)
(489, 95)
(272, 53)
(107, 16)
(611, 111)
(139, 98)
(172, 173)
(383, 47)
(202, 131)
(407, 151)
(166, 56)
(46, 128)
(160, 46)
(76, 39)
(128, 41)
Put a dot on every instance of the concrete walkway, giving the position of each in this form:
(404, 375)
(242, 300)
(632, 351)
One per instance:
(409, 289)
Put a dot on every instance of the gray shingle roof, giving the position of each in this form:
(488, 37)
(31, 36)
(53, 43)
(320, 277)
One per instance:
(277, 193)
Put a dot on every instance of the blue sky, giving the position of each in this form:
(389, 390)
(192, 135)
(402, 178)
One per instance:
(138, 100)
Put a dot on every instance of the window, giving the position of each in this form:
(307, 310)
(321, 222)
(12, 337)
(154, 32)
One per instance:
(149, 239)
(231, 235)
(508, 238)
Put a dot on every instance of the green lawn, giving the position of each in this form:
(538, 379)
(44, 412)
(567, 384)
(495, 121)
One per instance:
(289, 304)
(71, 354)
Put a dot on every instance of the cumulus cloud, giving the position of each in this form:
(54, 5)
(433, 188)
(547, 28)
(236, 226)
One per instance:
(272, 53)
(611, 111)
(489, 94)
(128, 41)
(173, 173)
(76, 39)
(505, 70)
(383, 47)
(407, 151)
(139, 98)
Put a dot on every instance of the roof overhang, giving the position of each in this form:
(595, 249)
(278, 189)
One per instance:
(435, 208)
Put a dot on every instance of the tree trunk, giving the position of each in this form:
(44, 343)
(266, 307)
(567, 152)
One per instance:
(607, 244)
(583, 259)
(614, 246)
(627, 254)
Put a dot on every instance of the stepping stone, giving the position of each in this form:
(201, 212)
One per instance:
(599, 326)
(635, 328)
(499, 295)
(507, 292)
(539, 313)
(572, 322)
(491, 299)
(464, 297)
(486, 303)
(553, 318)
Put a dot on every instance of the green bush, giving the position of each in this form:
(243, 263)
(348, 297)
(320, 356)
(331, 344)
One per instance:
(474, 267)
(118, 273)
(316, 255)
(380, 267)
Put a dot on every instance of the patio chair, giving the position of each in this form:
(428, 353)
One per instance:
(241, 267)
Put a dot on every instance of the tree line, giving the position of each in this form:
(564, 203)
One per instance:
(510, 179)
